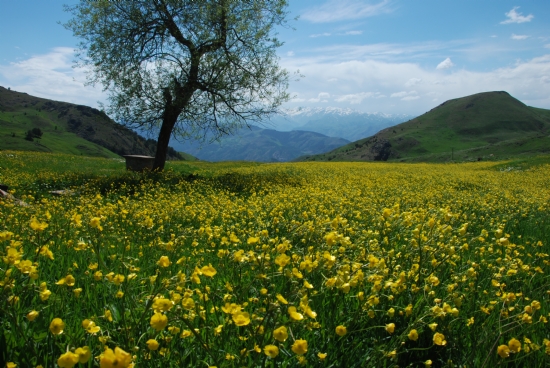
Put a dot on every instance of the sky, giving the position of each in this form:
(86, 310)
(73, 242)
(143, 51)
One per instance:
(386, 56)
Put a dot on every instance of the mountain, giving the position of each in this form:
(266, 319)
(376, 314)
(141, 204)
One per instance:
(336, 122)
(489, 125)
(257, 144)
(66, 128)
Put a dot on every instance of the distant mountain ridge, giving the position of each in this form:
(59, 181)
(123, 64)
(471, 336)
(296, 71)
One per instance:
(480, 126)
(336, 122)
(67, 128)
(264, 145)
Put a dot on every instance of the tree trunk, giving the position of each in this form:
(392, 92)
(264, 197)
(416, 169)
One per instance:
(168, 123)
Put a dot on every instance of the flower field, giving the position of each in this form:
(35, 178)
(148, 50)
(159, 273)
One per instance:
(273, 265)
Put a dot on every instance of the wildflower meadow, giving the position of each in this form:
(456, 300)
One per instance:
(273, 265)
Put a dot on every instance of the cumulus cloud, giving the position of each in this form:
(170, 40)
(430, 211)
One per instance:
(518, 37)
(338, 10)
(445, 64)
(411, 82)
(523, 80)
(516, 17)
(355, 98)
(321, 97)
(51, 76)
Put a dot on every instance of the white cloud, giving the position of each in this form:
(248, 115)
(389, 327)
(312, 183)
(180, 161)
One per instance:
(290, 53)
(337, 10)
(406, 96)
(51, 76)
(445, 64)
(515, 17)
(321, 97)
(353, 33)
(518, 37)
(523, 80)
(411, 82)
(355, 98)
(547, 46)
(326, 34)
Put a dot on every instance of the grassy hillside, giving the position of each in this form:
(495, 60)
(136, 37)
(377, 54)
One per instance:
(491, 125)
(66, 128)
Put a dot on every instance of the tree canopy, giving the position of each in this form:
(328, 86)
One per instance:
(186, 68)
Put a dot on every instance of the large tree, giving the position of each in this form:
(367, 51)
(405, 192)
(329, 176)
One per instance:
(187, 68)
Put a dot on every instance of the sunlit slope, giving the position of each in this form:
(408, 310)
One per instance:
(480, 126)
(66, 128)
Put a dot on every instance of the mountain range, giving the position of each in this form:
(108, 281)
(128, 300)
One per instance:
(335, 122)
(488, 125)
(257, 144)
(294, 133)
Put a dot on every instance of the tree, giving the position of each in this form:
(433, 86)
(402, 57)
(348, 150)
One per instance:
(187, 68)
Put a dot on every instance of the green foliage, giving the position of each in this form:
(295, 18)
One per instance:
(182, 67)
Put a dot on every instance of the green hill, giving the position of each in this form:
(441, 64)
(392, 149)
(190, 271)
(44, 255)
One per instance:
(489, 125)
(66, 128)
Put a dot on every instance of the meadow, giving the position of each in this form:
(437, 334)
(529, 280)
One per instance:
(274, 265)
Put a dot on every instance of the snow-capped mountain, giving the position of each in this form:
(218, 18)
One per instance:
(335, 122)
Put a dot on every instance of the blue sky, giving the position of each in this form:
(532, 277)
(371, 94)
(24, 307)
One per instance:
(389, 56)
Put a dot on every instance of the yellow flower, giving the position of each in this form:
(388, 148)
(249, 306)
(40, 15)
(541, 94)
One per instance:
(84, 354)
(241, 318)
(95, 222)
(37, 225)
(433, 326)
(68, 360)
(503, 351)
(152, 344)
(186, 334)
(208, 271)
(77, 292)
(428, 363)
(162, 305)
(514, 345)
(11, 365)
(413, 335)
(341, 330)
(271, 351)
(390, 327)
(56, 326)
(299, 347)
(294, 314)
(31, 316)
(322, 356)
(159, 321)
(282, 260)
(164, 261)
(115, 359)
(119, 294)
(439, 339)
(90, 326)
(280, 334)
(391, 312)
(108, 315)
(281, 299)
(68, 280)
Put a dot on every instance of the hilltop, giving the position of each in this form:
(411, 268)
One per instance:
(486, 125)
(66, 128)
